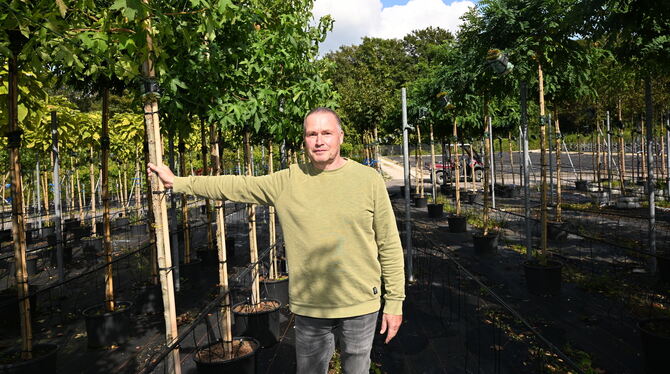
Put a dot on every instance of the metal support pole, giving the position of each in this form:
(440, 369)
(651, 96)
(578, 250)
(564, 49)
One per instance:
(405, 156)
(526, 174)
(609, 159)
(57, 200)
(493, 174)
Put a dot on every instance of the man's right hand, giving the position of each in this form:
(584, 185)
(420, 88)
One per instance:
(163, 172)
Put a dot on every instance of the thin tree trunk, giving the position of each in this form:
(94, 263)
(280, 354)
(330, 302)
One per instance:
(487, 166)
(433, 176)
(559, 183)
(107, 238)
(543, 163)
(92, 181)
(80, 196)
(186, 225)
(511, 157)
(457, 169)
(18, 218)
(138, 184)
(376, 148)
(251, 214)
(205, 171)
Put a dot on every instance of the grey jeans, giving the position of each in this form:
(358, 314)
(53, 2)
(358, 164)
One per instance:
(315, 343)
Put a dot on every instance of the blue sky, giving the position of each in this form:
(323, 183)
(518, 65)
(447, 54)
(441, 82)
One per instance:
(355, 19)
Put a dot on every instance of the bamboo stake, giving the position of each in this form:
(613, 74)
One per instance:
(274, 271)
(487, 149)
(159, 208)
(184, 204)
(251, 214)
(219, 206)
(18, 218)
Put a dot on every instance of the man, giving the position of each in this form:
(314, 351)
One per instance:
(341, 243)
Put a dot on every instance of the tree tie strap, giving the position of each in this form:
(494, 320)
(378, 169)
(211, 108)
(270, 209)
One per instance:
(14, 138)
(167, 269)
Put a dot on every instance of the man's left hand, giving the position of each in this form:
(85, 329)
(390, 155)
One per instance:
(391, 323)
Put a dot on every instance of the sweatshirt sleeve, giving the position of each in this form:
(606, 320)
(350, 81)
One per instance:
(390, 250)
(263, 190)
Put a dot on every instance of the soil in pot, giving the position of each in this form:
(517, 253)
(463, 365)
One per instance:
(435, 211)
(276, 289)
(43, 361)
(260, 321)
(655, 336)
(485, 244)
(457, 224)
(108, 328)
(543, 279)
(211, 359)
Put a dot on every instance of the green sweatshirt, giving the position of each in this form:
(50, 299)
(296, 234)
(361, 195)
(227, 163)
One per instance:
(339, 230)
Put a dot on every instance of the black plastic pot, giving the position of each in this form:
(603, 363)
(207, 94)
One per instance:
(457, 224)
(43, 361)
(5, 235)
(663, 261)
(263, 326)
(121, 223)
(543, 279)
(149, 299)
(655, 344)
(582, 185)
(275, 289)
(240, 365)
(435, 211)
(420, 202)
(108, 328)
(71, 224)
(31, 265)
(67, 255)
(92, 245)
(80, 232)
(9, 308)
(471, 197)
(485, 244)
(191, 271)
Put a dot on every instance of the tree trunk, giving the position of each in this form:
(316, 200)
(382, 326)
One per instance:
(151, 119)
(107, 238)
(186, 225)
(511, 157)
(18, 219)
(205, 171)
(376, 148)
(487, 166)
(92, 181)
(419, 163)
(559, 199)
(138, 184)
(651, 185)
(433, 176)
(251, 218)
(457, 169)
(543, 163)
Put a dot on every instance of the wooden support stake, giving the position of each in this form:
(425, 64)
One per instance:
(159, 207)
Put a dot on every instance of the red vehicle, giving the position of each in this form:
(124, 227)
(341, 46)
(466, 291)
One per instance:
(447, 170)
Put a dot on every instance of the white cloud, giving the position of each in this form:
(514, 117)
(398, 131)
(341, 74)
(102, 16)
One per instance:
(355, 19)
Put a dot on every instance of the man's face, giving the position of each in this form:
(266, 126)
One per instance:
(322, 140)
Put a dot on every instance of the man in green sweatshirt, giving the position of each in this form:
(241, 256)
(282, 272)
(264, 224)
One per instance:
(341, 242)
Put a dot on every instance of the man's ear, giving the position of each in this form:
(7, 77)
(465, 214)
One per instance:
(341, 137)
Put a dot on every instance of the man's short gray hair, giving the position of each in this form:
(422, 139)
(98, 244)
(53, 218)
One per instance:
(322, 109)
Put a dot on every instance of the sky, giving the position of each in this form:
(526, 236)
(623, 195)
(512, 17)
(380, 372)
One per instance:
(386, 19)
